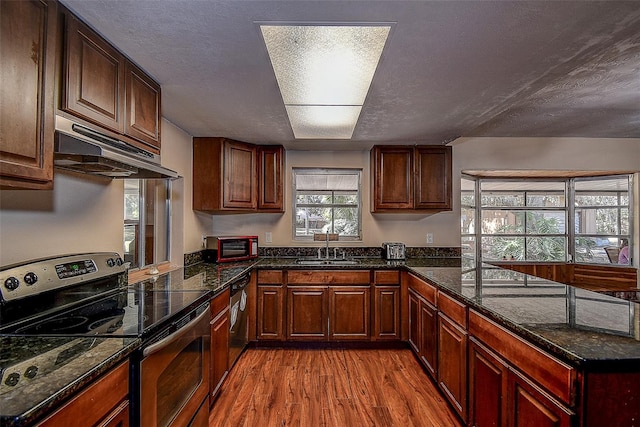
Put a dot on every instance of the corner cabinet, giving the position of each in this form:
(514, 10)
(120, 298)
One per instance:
(102, 87)
(28, 34)
(235, 177)
(411, 178)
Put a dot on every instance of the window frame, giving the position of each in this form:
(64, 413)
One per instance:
(570, 234)
(325, 171)
(140, 240)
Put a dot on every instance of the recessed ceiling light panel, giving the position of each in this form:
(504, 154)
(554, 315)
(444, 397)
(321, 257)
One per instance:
(323, 122)
(328, 66)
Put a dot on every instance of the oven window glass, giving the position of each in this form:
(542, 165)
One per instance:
(235, 248)
(178, 381)
(147, 205)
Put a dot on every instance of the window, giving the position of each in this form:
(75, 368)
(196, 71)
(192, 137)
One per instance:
(546, 220)
(327, 200)
(146, 221)
(601, 218)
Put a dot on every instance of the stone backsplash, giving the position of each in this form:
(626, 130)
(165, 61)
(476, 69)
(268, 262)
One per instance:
(366, 252)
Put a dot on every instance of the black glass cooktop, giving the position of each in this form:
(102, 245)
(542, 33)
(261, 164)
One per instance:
(125, 313)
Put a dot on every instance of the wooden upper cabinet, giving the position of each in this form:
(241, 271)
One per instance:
(103, 87)
(239, 175)
(392, 177)
(411, 178)
(433, 177)
(233, 176)
(94, 77)
(28, 31)
(271, 178)
(142, 106)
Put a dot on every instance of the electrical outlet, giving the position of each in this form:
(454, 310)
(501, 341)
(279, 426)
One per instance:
(429, 238)
(204, 240)
(268, 238)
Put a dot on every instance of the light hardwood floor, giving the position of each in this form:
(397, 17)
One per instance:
(329, 388)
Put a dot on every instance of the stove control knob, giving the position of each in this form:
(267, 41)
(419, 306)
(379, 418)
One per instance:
(11, 283)
(111, 262)
(30, 278)
(31, 372)
(119, 261)
(12, 379)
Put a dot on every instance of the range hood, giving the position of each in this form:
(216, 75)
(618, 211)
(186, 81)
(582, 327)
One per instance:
(81, 149)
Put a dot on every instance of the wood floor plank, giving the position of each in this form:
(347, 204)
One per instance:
(330, 388)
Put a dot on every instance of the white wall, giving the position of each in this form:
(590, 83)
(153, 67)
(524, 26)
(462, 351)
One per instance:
(468, 153)
(408, 228)
(84, 213)
(188, 226)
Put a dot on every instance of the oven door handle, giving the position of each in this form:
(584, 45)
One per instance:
(174, 336)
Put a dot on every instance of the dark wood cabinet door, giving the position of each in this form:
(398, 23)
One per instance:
(387, 313)
(429, 337)
(27, 80)
(488, 381)
(270, 313)
(307, 313)
(433, 177)
(142, 106)
(392, 177)
(349, 316)
(239, 175)
(414, 322)
(452, 363)
(94, 77)
(271, 178)
(529, 406)
(219, 351)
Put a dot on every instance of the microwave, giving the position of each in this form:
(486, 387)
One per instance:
(230, 248)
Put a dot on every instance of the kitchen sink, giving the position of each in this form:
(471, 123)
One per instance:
(318, 261)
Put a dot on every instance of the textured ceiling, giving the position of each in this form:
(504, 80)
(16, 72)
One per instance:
(449, 69)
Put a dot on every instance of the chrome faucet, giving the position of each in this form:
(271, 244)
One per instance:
(327, 242)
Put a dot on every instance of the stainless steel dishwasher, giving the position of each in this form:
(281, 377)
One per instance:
(239, 329)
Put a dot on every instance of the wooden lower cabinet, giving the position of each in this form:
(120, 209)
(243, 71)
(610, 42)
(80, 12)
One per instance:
(349, 313)
(429, 337)
(270, 312)
(452, 363)
(386, 307)
(103, 403)
(488, 381)
(530, 406)
(307, 310)
(423, 331)
(219, 365)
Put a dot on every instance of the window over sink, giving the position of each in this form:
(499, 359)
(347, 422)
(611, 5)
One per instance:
(147, 208)
(327, 200)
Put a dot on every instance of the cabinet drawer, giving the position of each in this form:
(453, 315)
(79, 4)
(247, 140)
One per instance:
(94, 403)
(426, 290)
(552, 374)
(386, 277)
(326, 277)
(219, 303)
(270, 277)
(455, 310)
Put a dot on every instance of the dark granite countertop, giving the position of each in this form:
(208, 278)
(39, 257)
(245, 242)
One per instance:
(65, 365)
(581, 327)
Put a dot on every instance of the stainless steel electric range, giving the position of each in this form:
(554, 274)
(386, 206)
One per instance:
(66, 306)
